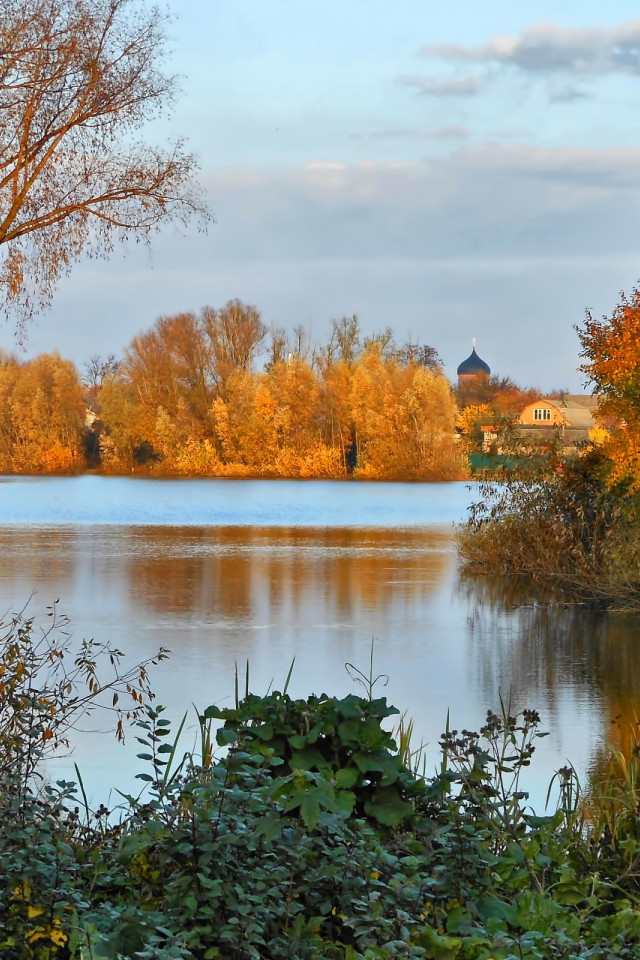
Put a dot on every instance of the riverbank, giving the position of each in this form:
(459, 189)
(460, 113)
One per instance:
(569, 535)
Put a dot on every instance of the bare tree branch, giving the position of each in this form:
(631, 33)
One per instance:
(79, 79)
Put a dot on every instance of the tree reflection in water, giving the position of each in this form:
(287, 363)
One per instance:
(548, 648)
(228, 571)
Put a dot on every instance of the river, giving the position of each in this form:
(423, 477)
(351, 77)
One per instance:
(226, 572)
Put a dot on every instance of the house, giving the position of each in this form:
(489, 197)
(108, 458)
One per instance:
(571, 415)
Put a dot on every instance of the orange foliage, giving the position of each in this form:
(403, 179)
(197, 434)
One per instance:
(192, 413)
(42, 416)
(501, 394)
(404, 417)
(611, 349)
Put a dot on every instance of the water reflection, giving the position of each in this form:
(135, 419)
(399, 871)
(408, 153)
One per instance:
(558, 649)
(214, 595)
(234, 573)
(224, 594)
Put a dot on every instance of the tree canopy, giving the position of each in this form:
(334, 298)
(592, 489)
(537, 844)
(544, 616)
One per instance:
(79, 79)
(611, 351)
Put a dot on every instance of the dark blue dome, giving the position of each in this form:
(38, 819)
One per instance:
(473, 365)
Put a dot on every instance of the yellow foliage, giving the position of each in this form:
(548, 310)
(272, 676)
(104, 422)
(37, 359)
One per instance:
(41, 415)
(322, 462)
(197, 458)
(599, 435)
(58, 458)
(469, 418)
(292, 420)
(405, 420)
(52, 932)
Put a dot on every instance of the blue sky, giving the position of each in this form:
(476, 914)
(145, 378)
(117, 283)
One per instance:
(458, 172)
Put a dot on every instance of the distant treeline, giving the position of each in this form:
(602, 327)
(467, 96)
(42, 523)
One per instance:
(186, 399)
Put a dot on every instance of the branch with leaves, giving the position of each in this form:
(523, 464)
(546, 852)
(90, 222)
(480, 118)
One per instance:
(78, 80)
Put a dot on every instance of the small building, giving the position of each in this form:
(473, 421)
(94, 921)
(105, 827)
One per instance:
(573, 415)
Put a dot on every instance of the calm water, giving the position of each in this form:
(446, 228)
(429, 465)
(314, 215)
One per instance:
(223, 571)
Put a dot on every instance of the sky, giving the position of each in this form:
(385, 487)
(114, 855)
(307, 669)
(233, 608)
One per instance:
(458, 171)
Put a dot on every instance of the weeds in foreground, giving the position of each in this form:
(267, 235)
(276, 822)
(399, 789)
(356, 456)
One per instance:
(313, 835)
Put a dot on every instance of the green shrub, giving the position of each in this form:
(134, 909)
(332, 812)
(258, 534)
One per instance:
(310, 837)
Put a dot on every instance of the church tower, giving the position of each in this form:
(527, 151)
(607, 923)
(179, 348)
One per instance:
(472, 367)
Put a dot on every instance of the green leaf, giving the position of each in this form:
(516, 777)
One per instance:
(379, 762)
(344, 802)
(310, 810)
(346, 778)
(568, 894)
(440, 947)
(264, 731)
(297, 741)
(308, 759)
(225, 736)
(388, 807)
(351, 707)
(214, 713)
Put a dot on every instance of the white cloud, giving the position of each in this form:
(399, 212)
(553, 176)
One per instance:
(505, 243)
(566, 93)
(445, 86)
(413, 133)
(484, 200)
(549, 47)
(609, 168)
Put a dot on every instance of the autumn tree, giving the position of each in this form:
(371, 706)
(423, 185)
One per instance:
(611, 351)
(9, 374)
(383, 341)
(269, 424)
(335, 362)
(278, 347)
(344, 343)
(421, 353)
(336, 411)
(167, 384)
(160, 394)
(79, 79)
(405, 421)
(42, 425)
(469, 424)
(502, 394)
(97, 368)
(122, 435)
(236, 336)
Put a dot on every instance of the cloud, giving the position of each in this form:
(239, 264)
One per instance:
(611, 168)
(566, 93)
(483, 201)
(445, 87)
(411, 133)
(548, 48)
(508, 243)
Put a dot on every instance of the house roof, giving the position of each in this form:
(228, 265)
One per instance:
(577, 409)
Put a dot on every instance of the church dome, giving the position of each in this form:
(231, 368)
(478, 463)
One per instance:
(473, 365)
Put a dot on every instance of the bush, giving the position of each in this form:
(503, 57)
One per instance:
(567, 532)
(308, 838)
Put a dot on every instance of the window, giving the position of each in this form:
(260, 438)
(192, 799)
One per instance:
(541, 413)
